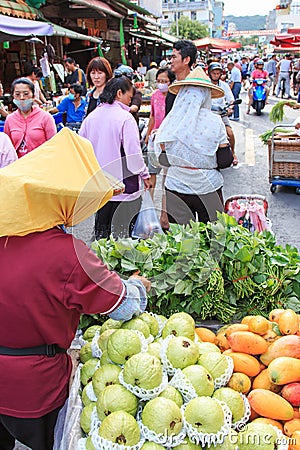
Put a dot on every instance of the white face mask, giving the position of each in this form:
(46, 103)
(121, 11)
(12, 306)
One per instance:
(163, 87)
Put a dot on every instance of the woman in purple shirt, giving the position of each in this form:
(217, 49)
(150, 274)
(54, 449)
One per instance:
(114, 134)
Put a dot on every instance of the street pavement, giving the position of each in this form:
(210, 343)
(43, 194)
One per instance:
(250, 176)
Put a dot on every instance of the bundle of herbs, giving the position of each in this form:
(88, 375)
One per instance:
(219, 270)
(277, 112)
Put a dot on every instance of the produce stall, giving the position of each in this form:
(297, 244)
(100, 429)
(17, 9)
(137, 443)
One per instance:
(145, 108)
(165, 380)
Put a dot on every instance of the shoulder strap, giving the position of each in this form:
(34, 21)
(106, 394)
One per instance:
(80, 76)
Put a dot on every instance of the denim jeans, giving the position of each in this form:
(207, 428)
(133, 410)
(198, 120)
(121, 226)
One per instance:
(236, 89)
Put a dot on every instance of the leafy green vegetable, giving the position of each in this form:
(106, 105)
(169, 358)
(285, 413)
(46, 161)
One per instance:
(268, 134)
(277, 112)
(219, 270)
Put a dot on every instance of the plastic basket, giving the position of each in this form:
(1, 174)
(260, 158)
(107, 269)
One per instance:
(284, 157)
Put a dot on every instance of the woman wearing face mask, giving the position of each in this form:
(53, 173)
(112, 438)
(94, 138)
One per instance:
(164, 78)
(29, 126)
(114, 134)
(98, 73)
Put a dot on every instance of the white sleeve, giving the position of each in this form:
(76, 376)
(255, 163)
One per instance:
(223, 139)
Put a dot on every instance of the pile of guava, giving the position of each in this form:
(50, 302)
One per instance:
(115, 411)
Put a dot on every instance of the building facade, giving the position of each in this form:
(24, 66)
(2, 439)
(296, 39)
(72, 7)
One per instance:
(203, 11)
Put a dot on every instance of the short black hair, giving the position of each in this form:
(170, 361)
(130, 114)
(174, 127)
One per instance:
(69, 60)
(112, 86)
(22, 81)
(170, 74)
(78, 88)
(186, 48)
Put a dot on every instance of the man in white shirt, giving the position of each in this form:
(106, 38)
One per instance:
(235, 84)
(215, 71)
(284, 67)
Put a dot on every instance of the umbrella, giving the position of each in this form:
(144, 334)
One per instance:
(286, 40)
(213, 43)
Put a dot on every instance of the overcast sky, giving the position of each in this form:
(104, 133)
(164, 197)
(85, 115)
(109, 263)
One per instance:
(249, 7)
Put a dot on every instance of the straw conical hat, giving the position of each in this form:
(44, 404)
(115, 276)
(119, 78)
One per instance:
(197, 77)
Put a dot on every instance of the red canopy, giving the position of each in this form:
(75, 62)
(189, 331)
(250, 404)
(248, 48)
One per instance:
(286, 40)
(213, 43)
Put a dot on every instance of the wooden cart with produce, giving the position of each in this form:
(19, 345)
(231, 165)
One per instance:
(284, 159)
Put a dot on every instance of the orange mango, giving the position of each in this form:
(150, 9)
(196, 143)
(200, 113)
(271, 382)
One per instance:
(247, 342)
(245, 363)
(262, 381)
(288, 322)
(284, 346)
(284, 370)
(270, 405)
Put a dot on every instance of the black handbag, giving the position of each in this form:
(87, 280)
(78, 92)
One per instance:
(224, 157)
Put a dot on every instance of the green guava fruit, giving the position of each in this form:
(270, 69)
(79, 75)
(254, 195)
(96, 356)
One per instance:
(137, 324)
(214, 362)
(103, 338)
(204, 414)
(88, 369)
(207, 347)
(90, 332)
(229, 442)
(143, 370)
(116, 398)
(151, 446)
(172, 394)
(105, 376)
(257, 436)
(111, 323)
(85, 353)
(162, 415)
(233, 400)
(85, 398)
(180, 324)
(89, 445)
(85, 417)
(152, 323)
(104, 358)
(122, 344)
(154, 349)
(182, 352)
(120, 428)
(188, 445)
(201, 379)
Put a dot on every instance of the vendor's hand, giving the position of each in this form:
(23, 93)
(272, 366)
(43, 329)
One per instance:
(146, 140)
(145, 281)
(297, 126)
(147, 183)
(229, 111)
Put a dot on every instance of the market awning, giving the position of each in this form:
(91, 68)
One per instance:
(61, 31)
(213, 43)
(24, 27)
(132, 7)
(12, 28)
(20, 9)
(152, 36)
(98, 5)
(286, 40)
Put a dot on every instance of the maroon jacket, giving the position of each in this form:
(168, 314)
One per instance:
(47, 280)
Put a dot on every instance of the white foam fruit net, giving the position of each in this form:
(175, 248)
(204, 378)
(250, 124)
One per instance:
(103, 444)
(183, 385)
(282, 440)
(96, 350)
(168, 441)
(145, 394)
(95, 421)
(144, 341)
(225, 377)
(90, 392)
(81, 444)
(240, 424)
(209, 438)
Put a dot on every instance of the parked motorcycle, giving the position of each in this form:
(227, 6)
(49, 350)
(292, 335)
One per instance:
(259, 95)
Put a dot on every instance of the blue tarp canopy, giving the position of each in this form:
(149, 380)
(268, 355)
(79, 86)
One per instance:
(24, 27)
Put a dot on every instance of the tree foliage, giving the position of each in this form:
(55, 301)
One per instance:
(189, 29)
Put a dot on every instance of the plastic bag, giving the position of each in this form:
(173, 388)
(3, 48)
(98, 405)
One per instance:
(147, 222)
(153, 151)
